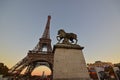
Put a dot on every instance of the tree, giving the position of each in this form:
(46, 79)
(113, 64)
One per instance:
(117, 65)
(3, 69)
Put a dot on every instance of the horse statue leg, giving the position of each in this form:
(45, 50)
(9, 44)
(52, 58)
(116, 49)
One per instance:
(58, 38)
(76, 41)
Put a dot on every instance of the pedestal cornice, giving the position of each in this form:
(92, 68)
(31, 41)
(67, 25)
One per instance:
(67, 46)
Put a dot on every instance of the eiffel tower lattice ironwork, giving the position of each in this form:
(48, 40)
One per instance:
(40, 55)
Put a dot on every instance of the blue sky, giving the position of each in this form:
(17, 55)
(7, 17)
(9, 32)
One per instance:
(96, 22)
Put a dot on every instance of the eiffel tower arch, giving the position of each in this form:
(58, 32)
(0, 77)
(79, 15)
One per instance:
(40, 55)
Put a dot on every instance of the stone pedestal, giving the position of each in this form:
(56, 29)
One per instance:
(69, 63)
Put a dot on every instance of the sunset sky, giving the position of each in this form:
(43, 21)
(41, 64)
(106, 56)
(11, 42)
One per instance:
(96, 23)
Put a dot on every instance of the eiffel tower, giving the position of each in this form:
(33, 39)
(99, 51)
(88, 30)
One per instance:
(40, 55)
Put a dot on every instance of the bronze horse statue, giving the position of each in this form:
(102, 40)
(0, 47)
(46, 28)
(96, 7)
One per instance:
(66, 37)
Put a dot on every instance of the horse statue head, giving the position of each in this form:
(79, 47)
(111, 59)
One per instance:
(61, 35)
(61, 32)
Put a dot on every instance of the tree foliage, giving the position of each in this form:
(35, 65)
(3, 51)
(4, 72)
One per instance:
(117, 65)
(3, 69)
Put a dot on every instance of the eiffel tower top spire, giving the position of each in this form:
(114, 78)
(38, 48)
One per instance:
(44, 44)
(46, 33)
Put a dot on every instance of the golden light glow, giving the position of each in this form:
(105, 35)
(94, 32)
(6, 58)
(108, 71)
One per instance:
(39, 70)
